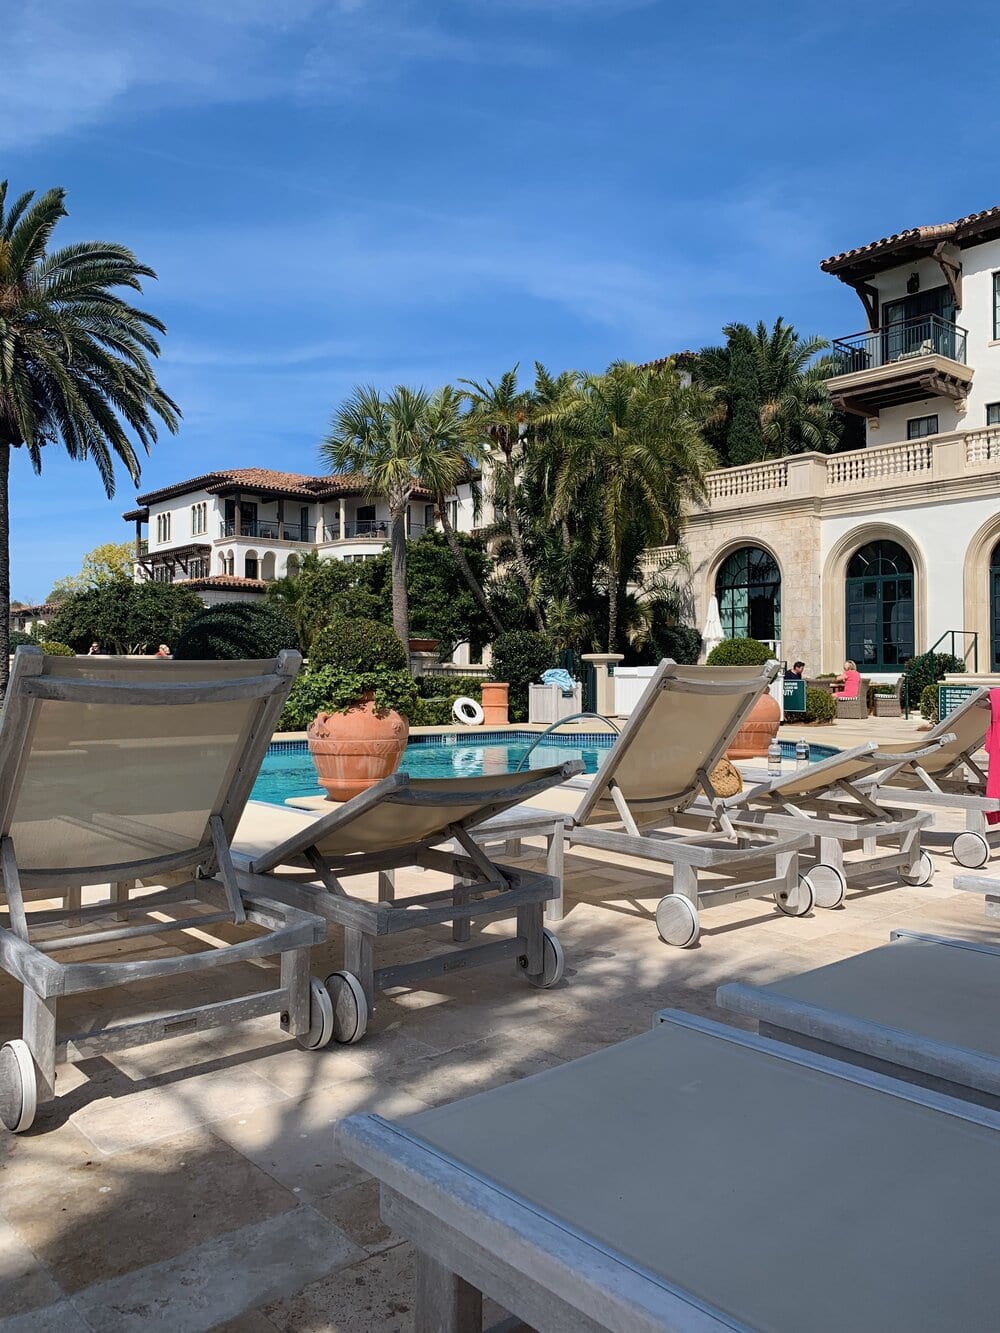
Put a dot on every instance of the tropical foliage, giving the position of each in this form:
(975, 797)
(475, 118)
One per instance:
(75, 357)
(109, 561)
(519, 658)
(124, 617)
(353, 659)
(235, 630)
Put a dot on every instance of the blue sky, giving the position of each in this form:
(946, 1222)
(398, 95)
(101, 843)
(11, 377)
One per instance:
(344, 191)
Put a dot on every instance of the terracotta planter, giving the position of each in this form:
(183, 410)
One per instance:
(758, 731)
(424, 645)
(354, 750)
(495, 703)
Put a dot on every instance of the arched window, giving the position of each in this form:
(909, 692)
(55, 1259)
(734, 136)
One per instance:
(748, 586)
(251, 566)
(995, 608)
(880, 606)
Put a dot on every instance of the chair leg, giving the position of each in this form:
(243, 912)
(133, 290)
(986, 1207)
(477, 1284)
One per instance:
(120, 891)
(530, 928)
(555, 862)
(74, 897)
(445, 1302)
(359, 958)
(461, 930)
(39, 1032)
(295, 980)
(387, 886)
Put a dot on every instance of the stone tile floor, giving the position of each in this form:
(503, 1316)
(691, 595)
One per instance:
(195, 1183)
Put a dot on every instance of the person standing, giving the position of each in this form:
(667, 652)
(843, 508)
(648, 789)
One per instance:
(794, 672)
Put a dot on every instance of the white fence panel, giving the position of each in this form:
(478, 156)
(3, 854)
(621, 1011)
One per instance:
(629, 685)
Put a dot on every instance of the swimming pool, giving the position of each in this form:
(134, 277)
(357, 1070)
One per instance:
(288, 769)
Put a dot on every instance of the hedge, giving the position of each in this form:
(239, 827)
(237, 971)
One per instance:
(740, 652)
(236, 631)
(519, 657)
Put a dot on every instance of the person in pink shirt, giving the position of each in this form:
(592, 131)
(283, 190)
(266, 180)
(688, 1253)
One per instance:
(852, 682)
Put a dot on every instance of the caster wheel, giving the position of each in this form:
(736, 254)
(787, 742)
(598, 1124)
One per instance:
(829, 885)
(677, 921)
(320, 1017)
(18, 1086)
(800, 901)
(971, 850)
(922, 875)
(553, 964)
(350, 1007)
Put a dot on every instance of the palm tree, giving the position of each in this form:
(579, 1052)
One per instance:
(74, 357)
(451, 457)
(633, 436)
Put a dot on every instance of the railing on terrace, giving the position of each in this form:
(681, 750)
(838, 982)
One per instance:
(267, 530)
(368, 527)
(887, 460)
(734, 481)
(898, 343)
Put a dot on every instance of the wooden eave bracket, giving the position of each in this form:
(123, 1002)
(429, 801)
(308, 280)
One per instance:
(952, 270)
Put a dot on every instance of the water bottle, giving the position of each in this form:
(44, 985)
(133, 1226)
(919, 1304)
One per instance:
(774, 759)
(801, 753)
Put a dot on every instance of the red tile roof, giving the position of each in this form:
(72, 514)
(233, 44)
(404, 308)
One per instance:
(234, 581)
(969, 230)
(261, 480)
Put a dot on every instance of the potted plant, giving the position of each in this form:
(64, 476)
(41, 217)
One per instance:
(360, 734)
(761, 727)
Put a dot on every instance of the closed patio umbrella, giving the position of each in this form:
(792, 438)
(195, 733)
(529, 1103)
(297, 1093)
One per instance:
(712, 632)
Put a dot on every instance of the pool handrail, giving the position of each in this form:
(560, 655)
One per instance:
(571, 717)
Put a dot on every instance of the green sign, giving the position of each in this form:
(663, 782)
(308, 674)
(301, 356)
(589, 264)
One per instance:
(795, 695)
(951, 697)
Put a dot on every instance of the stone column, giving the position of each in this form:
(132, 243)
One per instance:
(604, 665)
(343, 518)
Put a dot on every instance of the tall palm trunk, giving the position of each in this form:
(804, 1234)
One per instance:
(400, 601)
(613, 599)
(517, 540)
(4, 566)
(460, 558)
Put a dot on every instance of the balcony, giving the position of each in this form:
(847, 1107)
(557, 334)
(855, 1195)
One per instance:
(900, 363)
(267, 530)
(374, 529)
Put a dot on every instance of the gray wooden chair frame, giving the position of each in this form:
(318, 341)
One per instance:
(305, 874)
(759, 865)
(197, 877)
(553, 1248)
(841, 815)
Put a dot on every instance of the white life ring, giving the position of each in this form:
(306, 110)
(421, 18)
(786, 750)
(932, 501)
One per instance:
(468, 711)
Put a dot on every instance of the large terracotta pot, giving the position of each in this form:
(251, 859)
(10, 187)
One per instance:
(495, 703)
(758, 731)
(354, 750)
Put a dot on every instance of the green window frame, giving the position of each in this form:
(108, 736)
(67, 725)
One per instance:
(919, 427)
(996, 305)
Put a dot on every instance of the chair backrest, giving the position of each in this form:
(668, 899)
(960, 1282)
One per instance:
(679, 730)
(968, 725)
(400, 812)
(121, 764)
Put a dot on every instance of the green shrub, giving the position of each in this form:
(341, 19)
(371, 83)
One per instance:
(434, 712)
(328, 690)
(740, 652)
(234, 631)
(519, 657)
(53, 648)
(18, 639)
(820, 706)
(357, 645)
(679, 642)
(929, 703)
(928, 669)
(435, 687)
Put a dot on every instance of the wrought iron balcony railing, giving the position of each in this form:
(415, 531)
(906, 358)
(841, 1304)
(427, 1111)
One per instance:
(899, 343)
(267, 530)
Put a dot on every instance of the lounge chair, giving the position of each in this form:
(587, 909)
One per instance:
(644, 792)
(950, 778)
(696, 1179)
(120, 772)
(826, 800)
(302, 859)
(923, 1008)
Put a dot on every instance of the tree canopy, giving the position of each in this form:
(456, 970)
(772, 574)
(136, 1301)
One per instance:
(124, 617)
(104, 564)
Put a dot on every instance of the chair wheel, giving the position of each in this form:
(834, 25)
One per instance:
(800, 901)
(922, 875)
(829, 884)
(971, 850)
(18, 1086)
(677, 921)
(320, 1017)
(553, 962)
(350, 1007)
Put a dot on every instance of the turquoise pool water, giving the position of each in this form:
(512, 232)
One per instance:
(288, 770)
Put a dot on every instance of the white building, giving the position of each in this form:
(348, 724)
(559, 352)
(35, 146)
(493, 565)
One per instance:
(877, 553)
(227, 533)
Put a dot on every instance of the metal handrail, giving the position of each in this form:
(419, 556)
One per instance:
(572, 717)
(915, 661)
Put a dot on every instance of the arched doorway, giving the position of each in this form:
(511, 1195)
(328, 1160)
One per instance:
(880, 599)
(748, 586)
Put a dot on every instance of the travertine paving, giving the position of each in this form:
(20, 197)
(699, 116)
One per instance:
(195, 1184)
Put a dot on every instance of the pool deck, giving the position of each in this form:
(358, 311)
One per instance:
(195, 1184)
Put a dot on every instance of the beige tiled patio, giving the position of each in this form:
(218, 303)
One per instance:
(196, 1184)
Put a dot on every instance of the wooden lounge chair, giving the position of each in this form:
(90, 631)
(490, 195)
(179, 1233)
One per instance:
(950, 778)
(304, 860)
(923, 1008)
(641, 800)
(827, 800)
(120, 772)
(701, 1180)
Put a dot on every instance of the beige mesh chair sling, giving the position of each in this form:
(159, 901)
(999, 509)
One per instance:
(827, 800)
(132, 773)
(403, 823)
(647, 786)
(950, 778)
